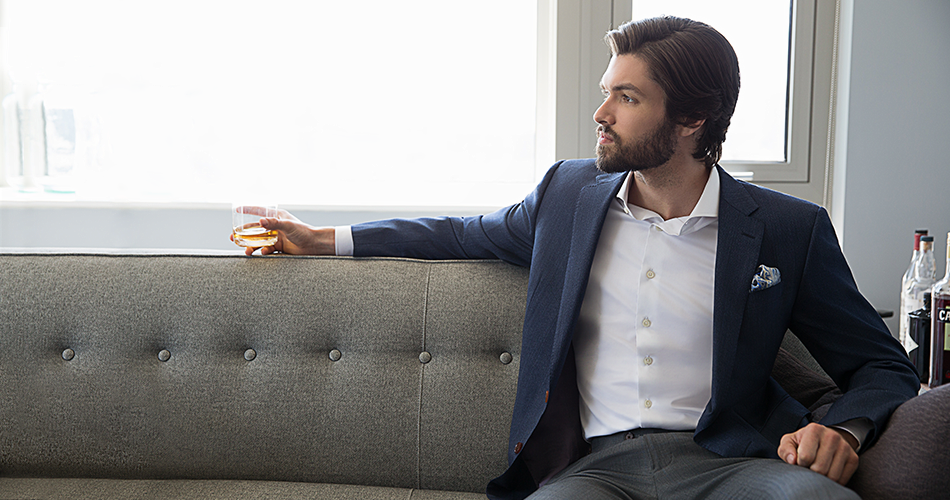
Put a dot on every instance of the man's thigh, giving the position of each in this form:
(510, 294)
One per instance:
(672, 466)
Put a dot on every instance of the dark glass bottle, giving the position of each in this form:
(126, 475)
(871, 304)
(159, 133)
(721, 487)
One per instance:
(920, 333)
(940, 329)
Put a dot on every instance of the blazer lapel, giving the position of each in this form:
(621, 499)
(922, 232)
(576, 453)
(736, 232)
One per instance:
(589, 215)
(737, 252)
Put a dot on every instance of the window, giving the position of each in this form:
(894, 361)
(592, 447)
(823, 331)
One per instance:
(426, 102)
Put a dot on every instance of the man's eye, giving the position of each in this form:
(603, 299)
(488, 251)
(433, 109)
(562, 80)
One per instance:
(627, 98)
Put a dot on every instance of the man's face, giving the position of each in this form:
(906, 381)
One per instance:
(634, 132)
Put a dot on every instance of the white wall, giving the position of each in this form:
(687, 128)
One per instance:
(897, 176)
(200, 227)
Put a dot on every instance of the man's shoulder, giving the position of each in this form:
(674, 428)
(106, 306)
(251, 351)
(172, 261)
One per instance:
(583, 168)
(769, 201)
(578, 173)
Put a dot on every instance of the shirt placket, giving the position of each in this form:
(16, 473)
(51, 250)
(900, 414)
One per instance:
(648, 319)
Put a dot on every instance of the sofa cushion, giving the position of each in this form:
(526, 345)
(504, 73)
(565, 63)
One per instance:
(95, 489)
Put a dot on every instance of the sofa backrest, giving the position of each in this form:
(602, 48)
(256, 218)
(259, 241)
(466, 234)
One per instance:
(387, 372)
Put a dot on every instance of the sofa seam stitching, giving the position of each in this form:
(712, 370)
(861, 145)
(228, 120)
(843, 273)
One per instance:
(422, 371)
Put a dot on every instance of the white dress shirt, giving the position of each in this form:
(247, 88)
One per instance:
(643, 342)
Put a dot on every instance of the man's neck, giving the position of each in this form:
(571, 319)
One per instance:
(671, 190)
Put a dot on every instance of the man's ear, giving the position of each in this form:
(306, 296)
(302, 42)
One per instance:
(691, 127)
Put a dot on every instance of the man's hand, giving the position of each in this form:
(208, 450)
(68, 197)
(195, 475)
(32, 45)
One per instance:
(295, 237)
(827, 451)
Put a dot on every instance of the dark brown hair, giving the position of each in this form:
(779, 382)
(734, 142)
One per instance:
(696, 67)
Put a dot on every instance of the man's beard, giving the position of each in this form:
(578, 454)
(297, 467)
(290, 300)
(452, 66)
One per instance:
(652, 152)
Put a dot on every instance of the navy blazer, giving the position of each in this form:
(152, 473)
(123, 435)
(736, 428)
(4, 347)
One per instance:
(555, 231)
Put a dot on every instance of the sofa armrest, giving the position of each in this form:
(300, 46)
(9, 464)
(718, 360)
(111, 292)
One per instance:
(909, 460)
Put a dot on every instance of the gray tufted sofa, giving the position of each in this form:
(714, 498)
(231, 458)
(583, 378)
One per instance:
(190, 376)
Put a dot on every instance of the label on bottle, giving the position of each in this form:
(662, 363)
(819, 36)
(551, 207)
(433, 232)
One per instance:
(943, 316)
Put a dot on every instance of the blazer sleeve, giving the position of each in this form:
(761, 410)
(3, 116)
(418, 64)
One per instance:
(506, 234)
(847, 337)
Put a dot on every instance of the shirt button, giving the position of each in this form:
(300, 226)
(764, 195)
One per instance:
(658, 228)
(651, 274)
(648, 403)
(648, 360)
(646, 322)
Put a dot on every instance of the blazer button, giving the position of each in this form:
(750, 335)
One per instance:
(518, 447)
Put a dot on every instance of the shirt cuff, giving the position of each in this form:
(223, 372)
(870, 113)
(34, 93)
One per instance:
(857, 427)
(343, 240)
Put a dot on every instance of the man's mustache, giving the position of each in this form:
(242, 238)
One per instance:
(606, 130)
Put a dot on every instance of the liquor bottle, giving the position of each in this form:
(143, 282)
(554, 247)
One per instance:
(905, 282)
(925, 274)
(940, 329)
(920, 333)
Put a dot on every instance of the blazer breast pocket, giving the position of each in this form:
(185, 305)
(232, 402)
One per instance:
(765, 277)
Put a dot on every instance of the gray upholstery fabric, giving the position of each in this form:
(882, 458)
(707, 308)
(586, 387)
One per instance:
(378, 416)
(910, 459)
(467, 373)
(96, 489)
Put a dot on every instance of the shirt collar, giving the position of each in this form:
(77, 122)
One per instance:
(706, 208)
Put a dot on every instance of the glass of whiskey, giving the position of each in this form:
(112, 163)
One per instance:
(246, 224)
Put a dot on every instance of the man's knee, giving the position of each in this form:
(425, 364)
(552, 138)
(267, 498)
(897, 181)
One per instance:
(800, 484)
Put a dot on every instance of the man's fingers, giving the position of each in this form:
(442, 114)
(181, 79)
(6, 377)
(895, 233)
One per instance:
(274, 223)
(808, 445)
(253, 210)
(801, 447)
(788, 449)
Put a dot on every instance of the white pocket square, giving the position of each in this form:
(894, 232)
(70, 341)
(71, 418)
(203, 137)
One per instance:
(766, 277)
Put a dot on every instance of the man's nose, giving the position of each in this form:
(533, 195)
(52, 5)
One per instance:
(603, 115)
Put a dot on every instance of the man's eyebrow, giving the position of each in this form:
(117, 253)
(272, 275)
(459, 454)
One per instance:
(624, 86)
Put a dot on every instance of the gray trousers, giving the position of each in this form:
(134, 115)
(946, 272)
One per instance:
(670, 465)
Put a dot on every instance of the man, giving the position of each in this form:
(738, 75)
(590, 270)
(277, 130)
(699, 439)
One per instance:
(659, 292)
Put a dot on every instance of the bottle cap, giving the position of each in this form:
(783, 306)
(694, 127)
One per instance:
(926, 238)
(921, 231)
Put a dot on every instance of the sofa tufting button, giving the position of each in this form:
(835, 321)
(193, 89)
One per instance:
(335, 355)
(506, 358)
(425, 357)
(164, 355)
(69, 354)
(250, 354)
